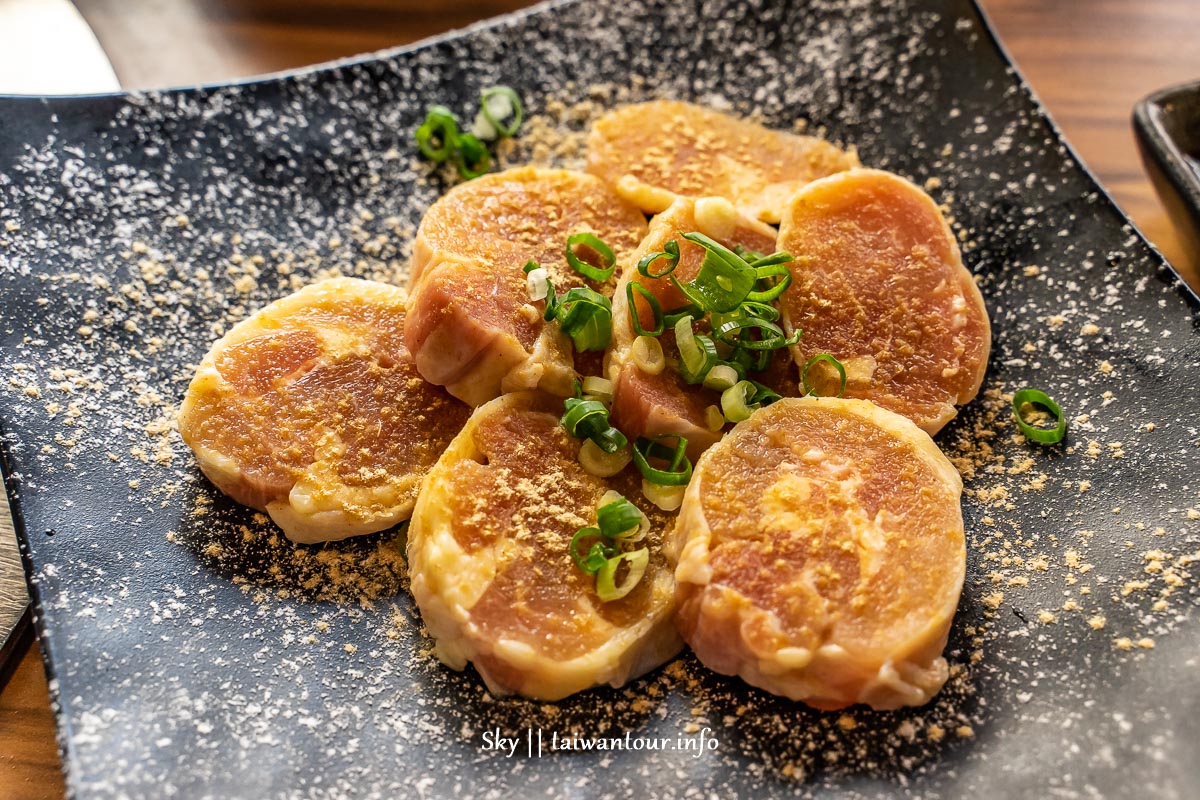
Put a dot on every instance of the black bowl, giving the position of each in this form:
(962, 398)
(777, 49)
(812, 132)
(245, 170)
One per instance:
(1167, 128)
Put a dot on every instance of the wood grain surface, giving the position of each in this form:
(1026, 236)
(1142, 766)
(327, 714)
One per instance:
(1088, 60)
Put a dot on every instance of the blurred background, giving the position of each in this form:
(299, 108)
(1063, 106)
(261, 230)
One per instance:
(1088, 60)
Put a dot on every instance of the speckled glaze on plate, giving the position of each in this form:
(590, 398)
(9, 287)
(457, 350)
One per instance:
(194, 654)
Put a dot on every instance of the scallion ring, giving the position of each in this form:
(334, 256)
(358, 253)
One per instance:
(586, 316)
(828, 359)
(588, 419)
(759, 261)
(678, 470)
(670, 252)
(606, 587)
(591, 560)
(598, 274)
(440, 125)
(724, 279)
(765, 273)
(721, 377)
(737, 401)
(697, 352)
(621, 519)
(634, 287)
(472, 156)
(772, 338)
(501, 102)
(648, 355)
(1036, 397)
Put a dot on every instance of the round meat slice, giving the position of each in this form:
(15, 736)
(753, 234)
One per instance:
(663, 403)
(880, 285)
(472, 327)
(492, 573)
(312, 411)
(653, 152)
(821, 555)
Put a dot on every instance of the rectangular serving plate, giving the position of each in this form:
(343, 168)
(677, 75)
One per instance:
(188, 660)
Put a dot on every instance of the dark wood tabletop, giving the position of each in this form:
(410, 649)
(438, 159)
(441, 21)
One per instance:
(1088, 60)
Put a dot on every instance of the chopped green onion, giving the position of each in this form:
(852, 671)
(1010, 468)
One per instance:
(742, 399)
(671, 253)
(760, 261)
(537, 281)
(472, 156)
(599, 463)
(724, 279)
(586, 316)
(440, 125)
(765, 273)
(1033, 397)
(635, 315)
(588, 419)
(721, 377)
(621, 519)
(773, 338)
(606, 588)
(697, 352)
(648, 355)
(749, 308)
(500, 102)
(599, 388)
(593, 559)
(439, 138)
(678, 469)
(825, 357)
(750, 256)
(598, 274)
(668, 498)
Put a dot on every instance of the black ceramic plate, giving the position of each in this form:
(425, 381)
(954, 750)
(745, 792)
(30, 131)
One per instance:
(194, 653)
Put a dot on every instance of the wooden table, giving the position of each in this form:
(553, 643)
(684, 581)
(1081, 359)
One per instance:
(1089, 61)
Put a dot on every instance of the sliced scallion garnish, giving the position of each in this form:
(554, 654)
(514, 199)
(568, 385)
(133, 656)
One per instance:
(721, 377)
(648, 355)
(537, 281)
(437, 137)
(599, 388)
(606, 586)
(588, 419)
(632, 288)
(440, 139)
(771, 336)
(586, 316)
(596, 549)
(765, 273)
(498, 103)
(598, 274)
(599, 463)
(621, 519)
(742, 399)
(697, 352)
(724, 279)
(1035, 398)
(678, 469)
(472, 156)
(809, 389)
(670, 252)
(592, 559)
